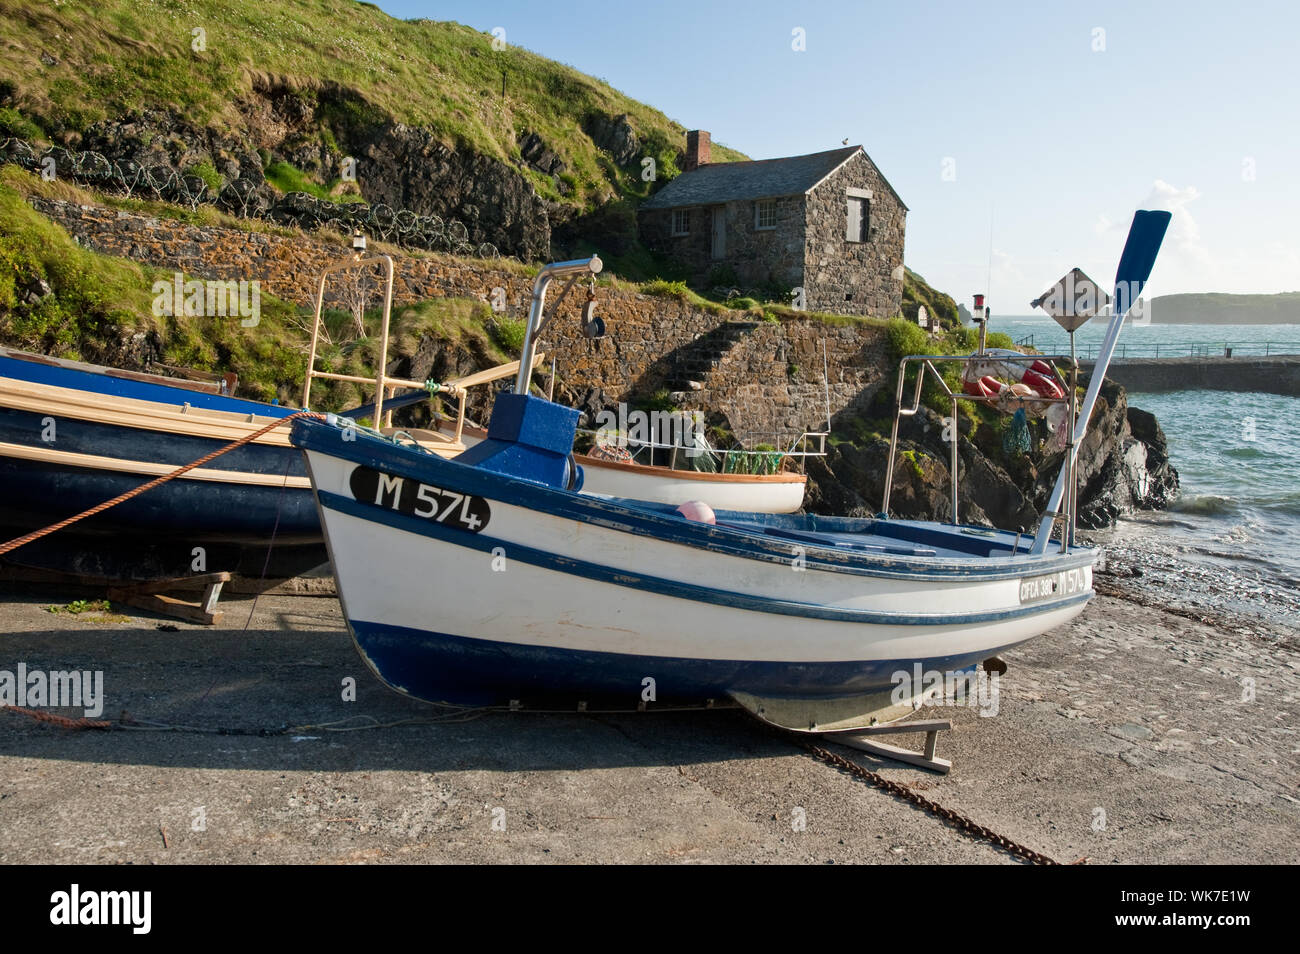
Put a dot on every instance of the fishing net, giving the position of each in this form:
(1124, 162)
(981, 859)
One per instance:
(1016, 438)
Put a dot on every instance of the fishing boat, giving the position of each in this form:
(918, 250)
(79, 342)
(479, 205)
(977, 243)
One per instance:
(489, 579)
(73, 435)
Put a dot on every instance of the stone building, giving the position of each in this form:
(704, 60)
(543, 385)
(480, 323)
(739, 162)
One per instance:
(828, 223)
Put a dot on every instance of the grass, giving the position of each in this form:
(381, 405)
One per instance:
(206, 171)
(92, 611)
(917, 292)
(508, 333)
(98, 299)
(118, 57)
(92, 294)
(286, 178)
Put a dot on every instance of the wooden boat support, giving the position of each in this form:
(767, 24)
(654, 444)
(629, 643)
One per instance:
(151, 595)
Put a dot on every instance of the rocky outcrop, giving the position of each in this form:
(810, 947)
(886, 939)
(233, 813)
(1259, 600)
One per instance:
(1123, 466)
(316, 127)
(613, 134)
(407, 168)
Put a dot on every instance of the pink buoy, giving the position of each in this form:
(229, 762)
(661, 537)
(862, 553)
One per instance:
(697, 510)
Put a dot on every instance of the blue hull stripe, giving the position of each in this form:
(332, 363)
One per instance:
(687, 591)
(663, 523)
(96, 383)
(437, 667)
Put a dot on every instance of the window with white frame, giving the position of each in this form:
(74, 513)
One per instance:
(859, 220)
(681, 221)
(765, 214)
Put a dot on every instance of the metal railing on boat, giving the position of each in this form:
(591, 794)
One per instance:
(926, 364)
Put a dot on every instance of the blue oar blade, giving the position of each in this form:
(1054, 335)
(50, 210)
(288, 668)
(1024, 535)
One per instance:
(1140, 251)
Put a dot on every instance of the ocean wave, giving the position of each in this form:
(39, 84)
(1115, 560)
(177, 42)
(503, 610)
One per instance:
(1288, 504)
(1209, 505)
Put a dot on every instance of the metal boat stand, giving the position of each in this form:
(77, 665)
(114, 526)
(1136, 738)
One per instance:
(853, 721)
(926, 759)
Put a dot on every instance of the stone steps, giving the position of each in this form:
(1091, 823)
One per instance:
(705, 355)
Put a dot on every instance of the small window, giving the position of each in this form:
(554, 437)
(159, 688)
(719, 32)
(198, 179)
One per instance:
(859, 222)
(765, 214)
(681, 221)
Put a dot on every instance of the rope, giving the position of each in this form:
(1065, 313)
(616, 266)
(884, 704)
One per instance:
(17, 542)
(62, 722)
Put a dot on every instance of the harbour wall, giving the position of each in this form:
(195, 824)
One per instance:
(762, 379)
(1273, 374)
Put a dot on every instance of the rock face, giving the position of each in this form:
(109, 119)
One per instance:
(1123, 466)
(407, 168)
(317, 127)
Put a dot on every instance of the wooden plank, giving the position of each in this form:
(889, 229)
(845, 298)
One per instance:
(493, 374)
(47, 455)
(179, 418)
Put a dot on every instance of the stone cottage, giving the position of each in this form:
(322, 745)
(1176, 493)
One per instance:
(828, 223)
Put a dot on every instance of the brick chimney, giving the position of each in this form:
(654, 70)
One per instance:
(698, 149)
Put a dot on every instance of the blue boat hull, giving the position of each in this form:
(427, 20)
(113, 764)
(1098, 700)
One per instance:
(473, 672)
(42, 481)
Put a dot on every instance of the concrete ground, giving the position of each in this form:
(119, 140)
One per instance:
(1127, 736)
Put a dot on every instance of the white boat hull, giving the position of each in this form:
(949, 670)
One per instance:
(538, 603)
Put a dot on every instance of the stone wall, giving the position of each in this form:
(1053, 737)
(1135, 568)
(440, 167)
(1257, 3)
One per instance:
(756, 377)
(858, 278)
(757, 256)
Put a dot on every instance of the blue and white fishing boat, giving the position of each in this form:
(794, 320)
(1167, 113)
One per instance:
(489, 580)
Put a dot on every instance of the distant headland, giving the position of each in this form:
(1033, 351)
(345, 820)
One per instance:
(1218, 308)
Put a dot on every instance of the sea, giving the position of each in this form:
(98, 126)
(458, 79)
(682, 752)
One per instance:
(1230, 544)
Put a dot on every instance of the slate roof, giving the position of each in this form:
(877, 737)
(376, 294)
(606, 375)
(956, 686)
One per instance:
(714, 184)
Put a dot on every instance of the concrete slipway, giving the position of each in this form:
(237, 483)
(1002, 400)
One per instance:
(1123, 737)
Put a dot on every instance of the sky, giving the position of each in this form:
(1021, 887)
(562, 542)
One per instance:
(1022, 136)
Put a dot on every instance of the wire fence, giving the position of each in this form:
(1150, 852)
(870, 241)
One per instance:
(248, 200)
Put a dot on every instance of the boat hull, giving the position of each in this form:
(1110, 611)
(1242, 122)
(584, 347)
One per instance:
(71, 440)
(562, 598)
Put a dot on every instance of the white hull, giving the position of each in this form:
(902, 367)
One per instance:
(524, 593)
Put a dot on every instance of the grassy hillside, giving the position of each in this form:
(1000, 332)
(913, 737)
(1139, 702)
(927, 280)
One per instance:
(59, 298)
(71, 63)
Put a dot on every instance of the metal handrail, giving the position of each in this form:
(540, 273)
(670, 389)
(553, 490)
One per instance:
(926, 363)
(572, 270)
